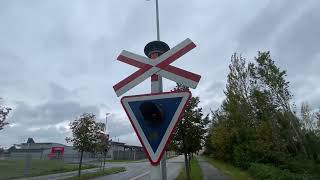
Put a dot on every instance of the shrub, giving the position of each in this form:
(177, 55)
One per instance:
(268, 172)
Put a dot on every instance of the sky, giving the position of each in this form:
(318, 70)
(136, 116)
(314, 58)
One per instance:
(58, 58)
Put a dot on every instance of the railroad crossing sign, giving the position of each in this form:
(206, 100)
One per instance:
(160, 66)
(154, 117)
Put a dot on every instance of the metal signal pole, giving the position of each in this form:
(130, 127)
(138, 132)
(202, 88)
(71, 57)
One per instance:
(157, 20)
(153, 50)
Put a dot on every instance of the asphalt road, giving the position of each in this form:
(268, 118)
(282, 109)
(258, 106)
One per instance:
(141, 170)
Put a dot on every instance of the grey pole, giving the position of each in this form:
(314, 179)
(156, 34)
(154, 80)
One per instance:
(163, 160)
(156, 87)
(157, 20)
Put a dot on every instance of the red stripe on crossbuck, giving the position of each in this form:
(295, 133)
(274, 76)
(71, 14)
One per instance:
(176, 55)
(130, 61)
(132, 77)
(183, 73)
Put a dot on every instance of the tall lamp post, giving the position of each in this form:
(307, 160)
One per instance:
(105, 130)
(107, 140)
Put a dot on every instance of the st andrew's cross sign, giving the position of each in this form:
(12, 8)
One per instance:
(160, 66)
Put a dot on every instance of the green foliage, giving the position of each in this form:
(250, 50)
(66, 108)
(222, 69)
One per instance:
(299, 165)
(256, 123)
(87, 135)
(268, 172)
(4, 112)
(103, 141)
(192, 128)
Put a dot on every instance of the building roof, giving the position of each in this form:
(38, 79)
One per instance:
(118, 143)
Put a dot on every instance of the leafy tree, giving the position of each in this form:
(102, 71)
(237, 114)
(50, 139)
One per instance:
(189, 135)
(317, 116)
(86, 134)
(4, 112)
(255, 122)
(103, 144)
(310, 131)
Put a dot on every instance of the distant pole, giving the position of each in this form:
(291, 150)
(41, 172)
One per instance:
(157, 20)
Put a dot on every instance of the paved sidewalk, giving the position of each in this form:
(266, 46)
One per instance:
(60, 175)
(209, 172)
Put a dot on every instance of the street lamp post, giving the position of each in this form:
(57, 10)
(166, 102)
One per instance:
(106, 122)
(107, 141)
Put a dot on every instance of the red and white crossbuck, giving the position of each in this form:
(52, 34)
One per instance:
(160, 66)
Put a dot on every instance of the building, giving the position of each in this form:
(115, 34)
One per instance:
(121, 151)
(42, 150)
(51, 150)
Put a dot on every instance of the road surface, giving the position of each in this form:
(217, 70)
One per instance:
(141, 170)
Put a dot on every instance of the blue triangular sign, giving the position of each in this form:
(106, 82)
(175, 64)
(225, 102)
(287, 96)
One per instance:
(154, 117)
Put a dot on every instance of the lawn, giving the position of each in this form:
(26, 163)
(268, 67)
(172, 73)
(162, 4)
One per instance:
(10, 169)
(233, 172)
(127, 161)
(99, 173)
(196, 173)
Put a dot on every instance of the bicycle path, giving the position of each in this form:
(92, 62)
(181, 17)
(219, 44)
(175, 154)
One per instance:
(210, 172)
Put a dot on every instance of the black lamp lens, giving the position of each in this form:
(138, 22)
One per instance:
(151, 112)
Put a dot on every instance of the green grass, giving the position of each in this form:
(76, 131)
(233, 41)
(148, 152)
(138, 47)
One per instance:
(10, 169)
(195, 174)
(233, 172)
(99, 173)
(126, 161)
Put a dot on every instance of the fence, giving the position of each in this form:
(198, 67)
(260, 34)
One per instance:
(128, 155)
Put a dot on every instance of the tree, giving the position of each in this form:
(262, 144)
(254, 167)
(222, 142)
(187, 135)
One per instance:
(103, 144)
(311, 132)
(255, 122)
(86, 134)
(317, 116)
(4, 112)
(191, 128)
(306, 117)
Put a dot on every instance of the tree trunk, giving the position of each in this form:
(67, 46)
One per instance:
(79, 172)
(190, 156)
(186, 161)
(104, 160)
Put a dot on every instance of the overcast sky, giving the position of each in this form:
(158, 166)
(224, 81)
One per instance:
(58, 58)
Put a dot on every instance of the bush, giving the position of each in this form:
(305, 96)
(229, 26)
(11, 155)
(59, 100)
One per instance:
(268, 172)
(306, 168)
(242, 157)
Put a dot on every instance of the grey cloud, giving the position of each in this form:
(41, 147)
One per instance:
(19, 134)
(49, 113)
(300, 41)
(118, 125)
(267, 22)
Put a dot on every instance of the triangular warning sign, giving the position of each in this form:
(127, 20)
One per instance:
(154, 117)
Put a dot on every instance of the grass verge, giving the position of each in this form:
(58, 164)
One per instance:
(126, 161)
(10, 169)
(233, 172)
(98, 174)
(195, 174)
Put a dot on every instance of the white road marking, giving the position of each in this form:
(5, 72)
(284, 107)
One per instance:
(139, 176)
